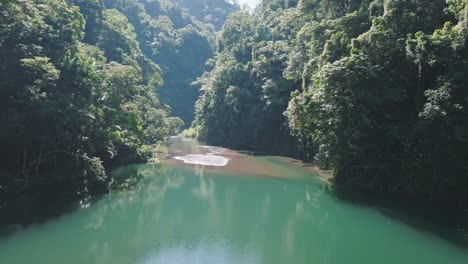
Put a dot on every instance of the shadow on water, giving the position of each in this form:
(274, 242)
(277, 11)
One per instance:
(20, 211)
(439, 219)
(35, 209)
(216, 203)
(32, 209)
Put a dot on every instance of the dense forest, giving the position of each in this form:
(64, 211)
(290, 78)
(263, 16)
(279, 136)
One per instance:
(373, 89)
(86, 85)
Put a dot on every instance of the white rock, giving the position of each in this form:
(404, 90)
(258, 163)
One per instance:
(207, 160)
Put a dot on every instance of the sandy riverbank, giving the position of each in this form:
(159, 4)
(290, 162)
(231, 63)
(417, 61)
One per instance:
(190, 153)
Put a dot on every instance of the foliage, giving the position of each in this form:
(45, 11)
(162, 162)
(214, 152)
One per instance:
(244, 96)
(373, 89)
(384, 112)
(179, 36)
(74, 99)
(191, 132)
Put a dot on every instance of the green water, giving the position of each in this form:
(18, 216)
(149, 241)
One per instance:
(189, 215)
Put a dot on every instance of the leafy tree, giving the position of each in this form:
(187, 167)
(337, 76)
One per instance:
(372, 89)
(75, 100)
(244, 96)
(371, 94)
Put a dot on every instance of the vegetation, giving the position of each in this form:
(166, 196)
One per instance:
(170, 34)
(245, 95)
(375, 89)
(212, 12)
(78, 82)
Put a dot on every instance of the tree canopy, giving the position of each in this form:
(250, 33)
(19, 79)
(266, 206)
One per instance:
(77, 93)
(375, 90)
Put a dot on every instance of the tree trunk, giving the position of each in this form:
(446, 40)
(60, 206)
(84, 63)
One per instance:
(25, 173)
(39, 160)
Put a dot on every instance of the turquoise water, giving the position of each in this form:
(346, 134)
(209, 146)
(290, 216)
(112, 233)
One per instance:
(181, 214)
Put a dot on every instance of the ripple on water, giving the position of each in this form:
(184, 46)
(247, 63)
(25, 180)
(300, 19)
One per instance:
(204, 159)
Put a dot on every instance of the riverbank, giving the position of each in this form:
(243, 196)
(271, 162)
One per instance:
(187, 152)
(245, 166)
(439, 219)
(181, 213)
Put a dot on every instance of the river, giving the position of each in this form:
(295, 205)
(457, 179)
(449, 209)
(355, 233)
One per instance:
(241, 209)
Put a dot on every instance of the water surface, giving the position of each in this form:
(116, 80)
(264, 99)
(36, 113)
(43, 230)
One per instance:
(255, 210)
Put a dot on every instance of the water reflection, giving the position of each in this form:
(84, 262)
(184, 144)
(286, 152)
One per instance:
(131, 216)
(177, 214)
(205, 189)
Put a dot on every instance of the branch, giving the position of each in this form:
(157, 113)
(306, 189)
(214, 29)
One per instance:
(38, 160)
